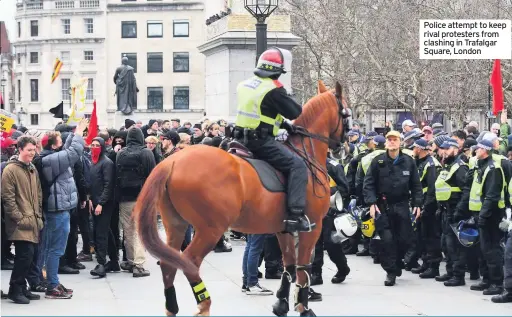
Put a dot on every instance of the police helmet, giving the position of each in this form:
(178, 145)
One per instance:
(466, 232)
(270, 63)
(367, 224)
(345, 226)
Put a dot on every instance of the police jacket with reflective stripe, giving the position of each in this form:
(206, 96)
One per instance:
(428, 181)
(277, 102)
(457, 180)
(491, 191)
(398, 180)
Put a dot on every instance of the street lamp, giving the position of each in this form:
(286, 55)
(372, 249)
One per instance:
(429, 112)
(261, 10)
(21, 112)
(3, 84)
(11, 104)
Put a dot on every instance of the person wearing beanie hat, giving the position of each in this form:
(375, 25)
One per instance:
(427, 233)
(170, 142)
(391, 185)
(449, 185)
(436, 151)
(198, 134)
(128, 123)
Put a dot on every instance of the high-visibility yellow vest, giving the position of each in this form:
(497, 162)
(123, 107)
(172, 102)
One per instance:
(332, 183)
(250, 94)
(432, 161)
(408, 152)
(472, 162)
(443, 189)
(475, 201)
(367, 160)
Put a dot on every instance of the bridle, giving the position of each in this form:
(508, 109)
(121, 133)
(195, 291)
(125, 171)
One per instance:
(311, 162)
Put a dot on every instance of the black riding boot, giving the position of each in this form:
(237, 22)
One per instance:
(297, 221)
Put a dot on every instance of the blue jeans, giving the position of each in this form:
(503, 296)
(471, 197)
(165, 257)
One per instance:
(188, 234)
(56, 238)
(253, 249)
(35, 275)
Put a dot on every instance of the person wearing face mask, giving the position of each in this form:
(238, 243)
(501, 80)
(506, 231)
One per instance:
(428, 231)
(101, 207)
(449, 186)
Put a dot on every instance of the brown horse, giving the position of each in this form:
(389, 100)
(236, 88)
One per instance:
(213, 190)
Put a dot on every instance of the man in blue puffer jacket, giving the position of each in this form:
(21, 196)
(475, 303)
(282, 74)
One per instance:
(62, 197)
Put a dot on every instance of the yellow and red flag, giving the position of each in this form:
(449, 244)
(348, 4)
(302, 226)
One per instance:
(56, 69)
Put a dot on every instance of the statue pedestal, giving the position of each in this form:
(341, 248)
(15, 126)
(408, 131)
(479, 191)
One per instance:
(230, 51)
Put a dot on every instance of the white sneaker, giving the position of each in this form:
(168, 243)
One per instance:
(258, 290)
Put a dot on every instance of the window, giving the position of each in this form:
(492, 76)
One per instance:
(88, 55)
(181, 62)
(181, 97)
(19, 90)
(155, 98)
(19, 29)
(65, 56)
(155, 62)
(129, 29)
(18, 58)
(89, 95)
(155, 29)
(34, 90)
(132, 60)
(89, 25)
(34, 119)
(66, 26)
(65, 84)
(180, 28)
(34, 28)
(34, 57)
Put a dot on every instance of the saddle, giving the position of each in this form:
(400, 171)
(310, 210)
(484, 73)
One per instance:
(270, 178)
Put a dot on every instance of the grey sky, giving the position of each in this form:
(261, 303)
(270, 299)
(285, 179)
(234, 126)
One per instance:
(7, 11)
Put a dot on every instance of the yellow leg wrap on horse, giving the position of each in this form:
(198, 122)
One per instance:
(200, 292)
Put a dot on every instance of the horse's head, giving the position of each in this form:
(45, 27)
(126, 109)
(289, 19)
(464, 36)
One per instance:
(337, 134)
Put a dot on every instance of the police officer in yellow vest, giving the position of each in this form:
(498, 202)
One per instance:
(448, 186)
(262, 104)
(338, 183)
(355, 163)
(428, 227)
(377, 145)
(487, 198)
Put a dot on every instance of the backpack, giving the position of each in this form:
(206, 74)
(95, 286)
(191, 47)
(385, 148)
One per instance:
(129, 168)
(86, 167)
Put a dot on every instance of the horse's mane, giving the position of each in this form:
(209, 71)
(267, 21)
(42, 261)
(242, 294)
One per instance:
(314, 109)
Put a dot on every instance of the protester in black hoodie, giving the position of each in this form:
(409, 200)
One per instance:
(102, 198)
(134, 163)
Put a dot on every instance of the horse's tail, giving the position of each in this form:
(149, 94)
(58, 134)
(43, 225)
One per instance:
(145, 213)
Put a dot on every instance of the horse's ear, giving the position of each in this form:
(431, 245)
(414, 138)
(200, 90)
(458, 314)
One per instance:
(339, 90)
(321, 87)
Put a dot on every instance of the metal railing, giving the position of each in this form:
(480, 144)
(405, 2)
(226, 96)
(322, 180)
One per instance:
(89, 3)
(69, 4)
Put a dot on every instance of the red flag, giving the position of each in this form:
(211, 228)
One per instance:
(92, 131)
(497, 88)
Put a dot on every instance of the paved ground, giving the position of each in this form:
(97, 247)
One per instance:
(363, 293)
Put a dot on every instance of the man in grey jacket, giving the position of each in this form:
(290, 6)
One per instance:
(61, 198)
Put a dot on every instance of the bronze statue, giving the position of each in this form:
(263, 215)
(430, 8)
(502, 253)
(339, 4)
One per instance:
(126, 87)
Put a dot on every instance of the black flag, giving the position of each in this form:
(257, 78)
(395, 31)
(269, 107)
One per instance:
(58, 111)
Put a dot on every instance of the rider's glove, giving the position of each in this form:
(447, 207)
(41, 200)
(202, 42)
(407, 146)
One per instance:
(288, 126)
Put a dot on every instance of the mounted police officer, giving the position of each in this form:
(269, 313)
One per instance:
(391, 182)
(262, 104)
(449, 185)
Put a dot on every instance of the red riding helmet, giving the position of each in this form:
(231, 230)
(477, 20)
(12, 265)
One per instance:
(270, 63)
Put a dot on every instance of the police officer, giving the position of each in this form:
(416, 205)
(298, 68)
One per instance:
(338, 182)
(391, 182)
(257, 128)
(377, 145)
(448, 188)
(506, 296)
(428, 229)
(487, 196)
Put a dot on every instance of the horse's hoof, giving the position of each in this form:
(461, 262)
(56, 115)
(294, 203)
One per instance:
(168, 313)
(308, 312)
(281, 307)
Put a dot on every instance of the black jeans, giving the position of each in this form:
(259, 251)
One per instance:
(507, 283)
(490, 237)
(83, 224)
(285, 161)
(104, 238)
(334, 250)
(456, 253)
(397, 238)
(430, 231)
(70, 254)
(24, 260)
(272, 255)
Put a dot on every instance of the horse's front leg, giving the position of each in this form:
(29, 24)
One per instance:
(307, 241)
(286, 243)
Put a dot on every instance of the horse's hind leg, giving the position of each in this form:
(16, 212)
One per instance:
(307, 241)
(286, 242)
(197, 250)
(175, 228)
